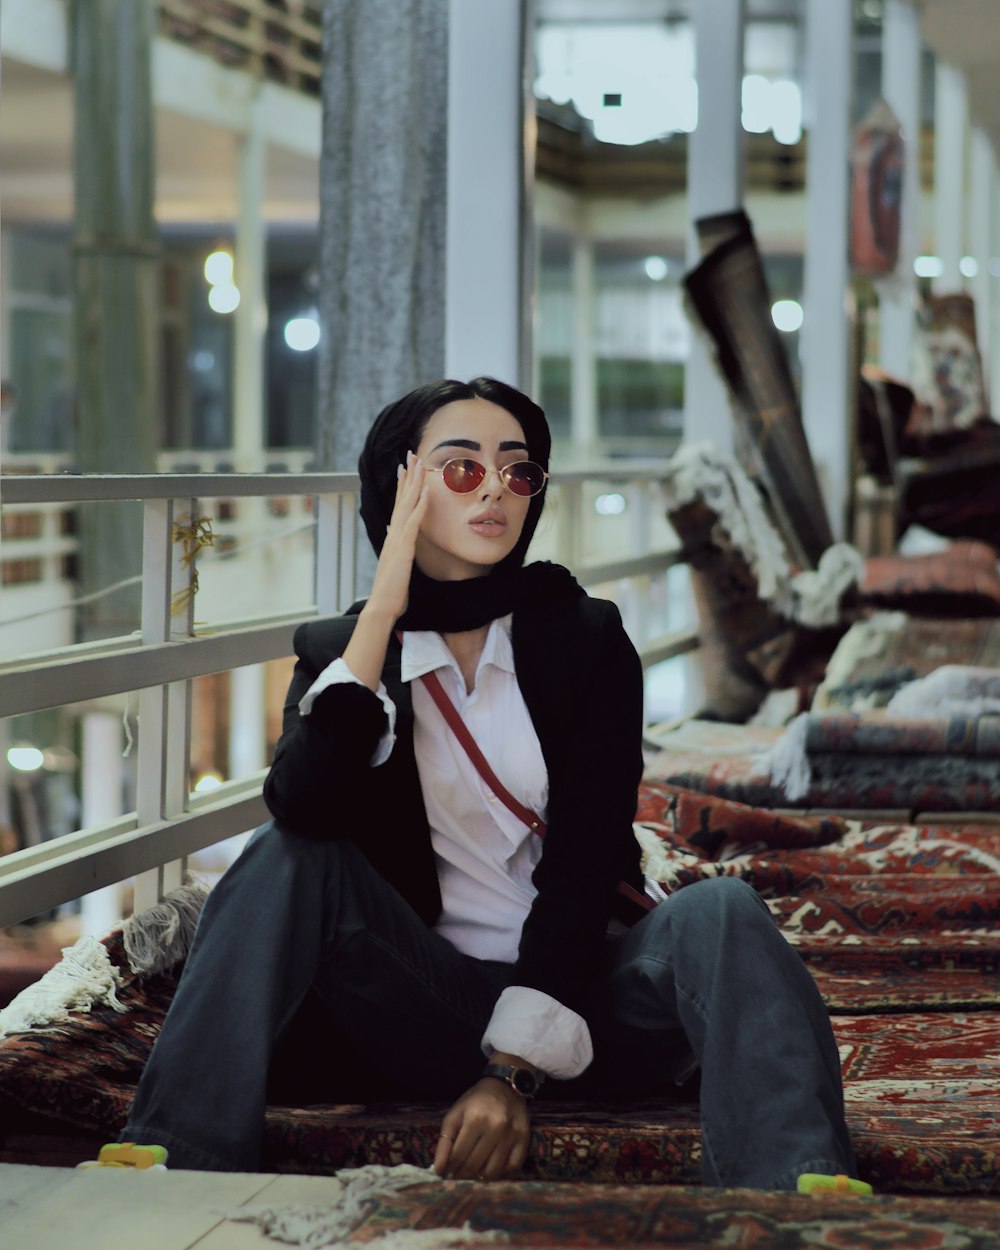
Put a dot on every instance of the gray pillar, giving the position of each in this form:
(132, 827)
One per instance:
(982, 163)
(715, 185)
(250, 318)
(383, 178)
(584, 426)
(951, 125)
(901, 88)
(115, 286)
(490, 180)
(826, 339)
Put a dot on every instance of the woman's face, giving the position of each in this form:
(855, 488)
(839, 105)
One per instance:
(464, 536)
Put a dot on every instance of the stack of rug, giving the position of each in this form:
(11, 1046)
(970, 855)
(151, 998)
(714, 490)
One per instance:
(883, 733)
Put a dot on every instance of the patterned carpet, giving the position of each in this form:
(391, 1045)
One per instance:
(897, 923)
(606, 1216)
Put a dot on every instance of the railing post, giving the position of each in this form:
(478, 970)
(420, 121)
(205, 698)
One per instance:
(328, 552)
(164, 711)
(637, 504)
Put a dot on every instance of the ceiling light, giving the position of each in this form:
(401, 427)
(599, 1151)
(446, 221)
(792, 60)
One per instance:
(656, 268)
(787, 315)
(302, 333)
(219, 268)
(224, 298)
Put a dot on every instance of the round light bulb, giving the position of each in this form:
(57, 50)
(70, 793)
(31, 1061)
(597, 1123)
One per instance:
(219, 268)
(224, 298)
(787, 315)
(302, 333)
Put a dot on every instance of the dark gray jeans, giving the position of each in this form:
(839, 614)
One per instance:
(704, 977)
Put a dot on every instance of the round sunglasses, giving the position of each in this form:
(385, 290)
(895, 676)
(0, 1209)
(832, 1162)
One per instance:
(523, 477)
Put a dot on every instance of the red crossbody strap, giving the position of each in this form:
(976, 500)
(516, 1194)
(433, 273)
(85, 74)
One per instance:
(461, 732)
(534, 822)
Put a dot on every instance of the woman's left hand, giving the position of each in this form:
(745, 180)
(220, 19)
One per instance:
(485, 1134)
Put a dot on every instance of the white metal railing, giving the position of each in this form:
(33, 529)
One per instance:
(151, 843)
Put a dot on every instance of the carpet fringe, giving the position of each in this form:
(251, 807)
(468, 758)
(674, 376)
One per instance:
(160, 936)
(353, 1196)
(84, 978)
(787, 763)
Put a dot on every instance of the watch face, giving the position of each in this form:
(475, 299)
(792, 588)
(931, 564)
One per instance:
(524, 1082)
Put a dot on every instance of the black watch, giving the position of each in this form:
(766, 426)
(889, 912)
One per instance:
(522, 1080)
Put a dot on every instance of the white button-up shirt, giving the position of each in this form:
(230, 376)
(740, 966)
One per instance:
(485, 855)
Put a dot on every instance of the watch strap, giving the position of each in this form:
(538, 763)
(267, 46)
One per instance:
(522, 1080)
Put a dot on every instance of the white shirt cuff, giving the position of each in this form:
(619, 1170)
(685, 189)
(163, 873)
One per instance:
(542, 1030)
(337, 673)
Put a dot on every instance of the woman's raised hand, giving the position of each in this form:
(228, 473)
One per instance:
(391, 588)
(365, 653)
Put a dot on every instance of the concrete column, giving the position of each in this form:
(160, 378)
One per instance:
(383, 190)
(951, 121)
(249, 433)
(101, 801)
(584, 428)
(116, 280)
(982, 162)
(901, 51)
(826, 356)
(490, 135)
(715, 185)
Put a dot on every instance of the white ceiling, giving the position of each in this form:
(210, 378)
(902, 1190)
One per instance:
(197, 162)
(966, 33)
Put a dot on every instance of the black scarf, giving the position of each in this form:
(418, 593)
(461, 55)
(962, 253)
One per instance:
(455, 606)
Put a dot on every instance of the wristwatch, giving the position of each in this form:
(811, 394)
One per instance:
(522, 1080)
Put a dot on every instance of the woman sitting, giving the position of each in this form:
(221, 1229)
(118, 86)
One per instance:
(464, 955)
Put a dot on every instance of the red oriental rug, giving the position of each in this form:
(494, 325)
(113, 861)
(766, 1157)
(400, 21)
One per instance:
(898, 923)
(604, 1216)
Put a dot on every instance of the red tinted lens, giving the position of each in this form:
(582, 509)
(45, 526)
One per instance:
(524, 478)
(462, 476)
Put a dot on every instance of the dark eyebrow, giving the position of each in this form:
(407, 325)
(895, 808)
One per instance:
(471, 445)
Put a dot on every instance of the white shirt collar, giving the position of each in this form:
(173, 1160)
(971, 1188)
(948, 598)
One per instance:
(425, 650)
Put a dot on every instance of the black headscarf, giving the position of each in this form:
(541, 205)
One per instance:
(453, 606)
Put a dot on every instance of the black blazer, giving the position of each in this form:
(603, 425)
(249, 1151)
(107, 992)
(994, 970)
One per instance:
(582, 683)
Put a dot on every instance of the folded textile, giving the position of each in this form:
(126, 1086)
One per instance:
(728, 290)
(877, 657)
(734, 764)
(961, 580)
(951, 690)
(933, 745)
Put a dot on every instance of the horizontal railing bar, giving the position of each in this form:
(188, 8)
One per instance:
(18, 488)
(611, 471)
(638, 566)
(23, 509)
(39, 548)
(125, 643)
(669, 646)
(59, 679)
(78, 863)
(76, 488)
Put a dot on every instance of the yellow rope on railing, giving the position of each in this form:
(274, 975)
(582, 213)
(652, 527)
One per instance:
(193, 537)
